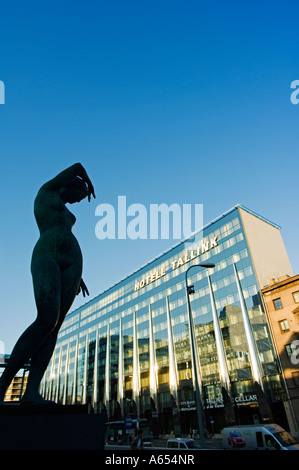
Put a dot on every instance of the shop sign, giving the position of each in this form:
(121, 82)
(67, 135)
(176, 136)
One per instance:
(245, 399)
(216, 402)
(188, 405)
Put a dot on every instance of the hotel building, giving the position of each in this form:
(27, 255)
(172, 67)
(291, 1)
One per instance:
(128, 350)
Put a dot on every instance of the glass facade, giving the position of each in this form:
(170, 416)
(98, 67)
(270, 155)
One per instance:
(128, 350)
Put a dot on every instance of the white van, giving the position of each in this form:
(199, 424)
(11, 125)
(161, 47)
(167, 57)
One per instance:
(258, 437)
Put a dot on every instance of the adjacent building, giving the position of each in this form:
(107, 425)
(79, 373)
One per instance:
(128, 350)
(281, 298)
(18, 385)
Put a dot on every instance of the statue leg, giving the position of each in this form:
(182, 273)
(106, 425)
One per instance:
(47, 286)
(70, 280)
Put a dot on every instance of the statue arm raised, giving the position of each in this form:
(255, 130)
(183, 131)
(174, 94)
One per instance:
(67, 175)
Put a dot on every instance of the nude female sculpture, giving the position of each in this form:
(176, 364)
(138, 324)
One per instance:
(56, 268)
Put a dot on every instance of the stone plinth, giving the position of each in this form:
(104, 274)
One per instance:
(60, 427)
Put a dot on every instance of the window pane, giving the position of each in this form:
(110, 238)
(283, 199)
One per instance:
(277, 304)
(290, 348)
(284, 326)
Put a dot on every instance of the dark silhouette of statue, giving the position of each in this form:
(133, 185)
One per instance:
(56, 268)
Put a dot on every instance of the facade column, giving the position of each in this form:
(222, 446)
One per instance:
(107, 373)
(49, 394)
(136, 375)
(75, 373)
(66, 371)
(253, 352)
(58, 375)
(153, 379)
(95, 371)
(223, 369)
(120, 388)
(85, 376)
(43, 384)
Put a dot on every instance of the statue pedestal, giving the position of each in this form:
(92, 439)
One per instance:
(44, 427)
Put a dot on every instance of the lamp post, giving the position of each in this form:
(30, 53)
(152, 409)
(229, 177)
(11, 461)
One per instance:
(194, 357)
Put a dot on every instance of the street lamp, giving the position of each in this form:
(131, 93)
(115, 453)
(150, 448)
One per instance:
(194, 357)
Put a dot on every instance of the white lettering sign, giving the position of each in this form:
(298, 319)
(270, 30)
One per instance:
(245, 399)
(154, 276)
(194, 253)
(188, 256)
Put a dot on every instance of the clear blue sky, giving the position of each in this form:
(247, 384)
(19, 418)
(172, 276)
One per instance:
(161, 101)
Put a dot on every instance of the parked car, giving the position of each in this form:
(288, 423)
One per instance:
(235, 439)
(180, 443)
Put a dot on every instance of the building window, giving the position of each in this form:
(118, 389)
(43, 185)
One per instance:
(284, 326)
(290, 348)
(277, 304)
(296, 296)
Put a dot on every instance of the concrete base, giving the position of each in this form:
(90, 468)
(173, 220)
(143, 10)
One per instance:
(60, 427)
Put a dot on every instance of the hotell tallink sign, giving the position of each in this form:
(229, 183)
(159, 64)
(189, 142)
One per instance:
(186, 258)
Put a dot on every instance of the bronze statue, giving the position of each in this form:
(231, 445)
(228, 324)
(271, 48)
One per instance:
(56, 268)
